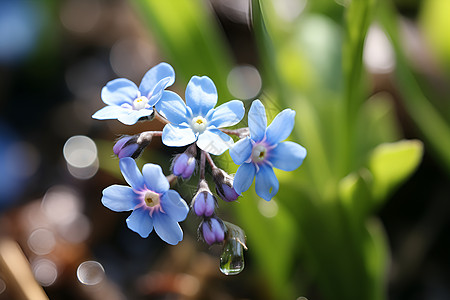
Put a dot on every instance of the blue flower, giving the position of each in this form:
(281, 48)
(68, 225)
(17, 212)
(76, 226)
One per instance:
(149, 197)
(198, 120)
(128, 103)
(263, 150)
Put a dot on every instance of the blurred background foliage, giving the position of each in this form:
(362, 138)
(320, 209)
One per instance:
(364, 217)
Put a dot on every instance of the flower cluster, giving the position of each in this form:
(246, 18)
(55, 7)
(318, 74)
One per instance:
(195, 123)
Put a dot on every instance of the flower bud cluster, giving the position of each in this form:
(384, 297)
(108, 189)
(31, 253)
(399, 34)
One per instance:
(203, 204)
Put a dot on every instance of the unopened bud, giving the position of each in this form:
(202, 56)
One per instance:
(130, 146)
(204, 202)
(212, 230)
(184, 163)
(224, 185)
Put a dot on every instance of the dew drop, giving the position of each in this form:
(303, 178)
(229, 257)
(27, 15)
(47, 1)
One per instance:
(232, 258)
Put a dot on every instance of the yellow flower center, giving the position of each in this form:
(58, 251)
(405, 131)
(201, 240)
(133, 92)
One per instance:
(140, 103)
(198, 124)
(151, 199)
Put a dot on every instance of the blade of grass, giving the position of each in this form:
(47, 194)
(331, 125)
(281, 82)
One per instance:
(435, 129)
(190, 38)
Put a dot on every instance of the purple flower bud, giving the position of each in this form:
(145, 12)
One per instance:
(130, 146)
(184, 163)
(227, 193)
(212, 230)
(204, 202)
(224, 185)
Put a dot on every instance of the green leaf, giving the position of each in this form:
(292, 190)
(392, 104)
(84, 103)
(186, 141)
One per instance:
(435, 22)
(377, 258)
(391, 163)
(358, 17)
(190, 39)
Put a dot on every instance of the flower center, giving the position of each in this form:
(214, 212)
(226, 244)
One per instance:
(151, 199)
(140, 103)
(259, 153)
(198, 124)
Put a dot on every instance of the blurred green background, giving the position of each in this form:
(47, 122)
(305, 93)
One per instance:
(365, 216)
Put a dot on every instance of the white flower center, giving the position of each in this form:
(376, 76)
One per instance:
(259, 153)
(151, 199)
(198, 124)
(140, 103)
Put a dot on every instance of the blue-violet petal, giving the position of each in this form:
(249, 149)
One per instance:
(177, 136)
(228, 114)
(257, 121)
(119, 91)
(167, 228)
(119, 198)
(281, 127)
(244, 177)
(154, 178)
(131, 173)
(161, 72)
(174, 205)
(201, 95)
(266, 183)
(140, 221)
(287, 156)
(214, 141)
(241, 151)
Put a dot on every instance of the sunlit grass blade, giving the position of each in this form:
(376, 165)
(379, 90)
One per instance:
(435, 129)
(190, 39)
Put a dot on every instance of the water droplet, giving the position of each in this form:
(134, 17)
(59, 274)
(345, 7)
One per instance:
(232, 258)
(90, 272)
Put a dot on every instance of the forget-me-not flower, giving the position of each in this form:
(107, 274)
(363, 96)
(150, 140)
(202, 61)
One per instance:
(128, 103)
(198, 120)
(149, 197)
(263, 150)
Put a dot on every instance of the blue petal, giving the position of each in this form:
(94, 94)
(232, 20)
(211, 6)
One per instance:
(157, 92)
(241, 151)
(201, 95)
(228, 114)
(162, 72)
(174, 206)
(119, 91)
(119, 198)
(244, 177)
(281, 127)
(214, 141)
(177, 136)
(266, 183)
(172, 107)
(110, 112)
(168, 229)
(131, 173)
(140, 221)
(130, 117)
(155, 179)
(257, 121)
(287, 156)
